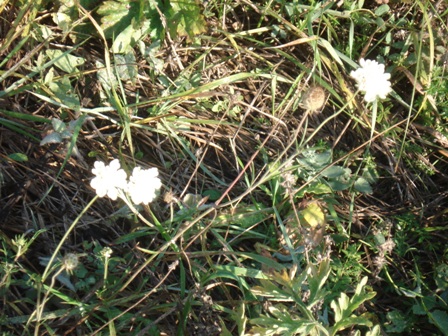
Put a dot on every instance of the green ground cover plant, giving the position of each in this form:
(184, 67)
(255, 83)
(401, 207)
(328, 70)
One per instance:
(223, 167)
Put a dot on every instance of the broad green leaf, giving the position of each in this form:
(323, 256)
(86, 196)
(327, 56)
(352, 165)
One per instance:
(116, 16)
(381, 10)
(334, 171)
(313, 215)
(315, 160)
(440, 319)
(58, 125)
(376, 331)
(126, 66)
(352, 321)
(212, 194)
(339, 184)
(108, 83)
(65, 61)
(398, 322)
(53, 137)
(63, 21)
(316, 188)
(64, 93)
(362, 185)
(340, 306)
(441, 277)
(186, 19)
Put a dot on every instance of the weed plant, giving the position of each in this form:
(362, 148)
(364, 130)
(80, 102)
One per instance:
(260, 184)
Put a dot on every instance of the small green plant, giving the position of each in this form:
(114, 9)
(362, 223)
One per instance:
(316, 165)
(310, 313)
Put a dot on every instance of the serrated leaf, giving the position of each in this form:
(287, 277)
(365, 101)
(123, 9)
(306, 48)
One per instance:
(317, 280)
(65, 61)
(362, 185)
(352, 321)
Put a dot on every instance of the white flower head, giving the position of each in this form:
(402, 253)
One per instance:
(372, 80)
(143, 185)
(109, 179)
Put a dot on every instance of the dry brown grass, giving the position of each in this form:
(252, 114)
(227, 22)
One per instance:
(35, 196)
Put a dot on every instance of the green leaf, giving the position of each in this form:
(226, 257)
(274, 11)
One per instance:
(344, 308)
(398, 322)
(186, 19)
(370, 174)
(53, 137)
(441, 277)
(376, 331)
(362, 185)
(126, 66)
(124, 42)
(64, 278)
(65, 93)
(64, 60)
(131, 236)
(317, 281)
(381, 10)
(19, 157)
(116, 16)
(334, 171)
(58, 125)
(315, 160)
(440, 319)
(108, 83)
(339, 184)
(243, 272)
(327, 45)
(212, 194)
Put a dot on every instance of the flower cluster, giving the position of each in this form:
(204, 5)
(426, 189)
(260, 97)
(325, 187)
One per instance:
(112, 181)
(372, 80)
